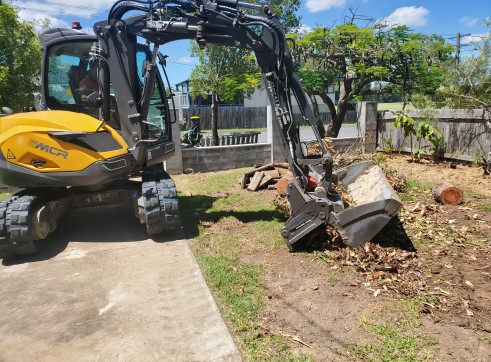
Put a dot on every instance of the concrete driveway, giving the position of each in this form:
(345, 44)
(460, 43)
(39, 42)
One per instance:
(101, 291)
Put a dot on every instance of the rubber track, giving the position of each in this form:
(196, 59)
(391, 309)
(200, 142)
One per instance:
(15, 236)
(161, 206)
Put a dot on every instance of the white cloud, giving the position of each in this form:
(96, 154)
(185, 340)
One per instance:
(303, 29)
(38, 17)
(473, 38)
(468, 21)
(55, 10)
(68, 8)
(315, 6)
(408, 15)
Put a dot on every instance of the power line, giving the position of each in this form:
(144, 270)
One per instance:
(188, 65)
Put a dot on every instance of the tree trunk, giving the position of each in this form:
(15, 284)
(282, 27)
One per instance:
(337, 115)
(214, 120)
(337, 121)
(447, 194)
(317, 115)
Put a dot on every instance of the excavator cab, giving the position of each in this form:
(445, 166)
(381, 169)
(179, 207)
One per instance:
(68, 66)
(66, 61)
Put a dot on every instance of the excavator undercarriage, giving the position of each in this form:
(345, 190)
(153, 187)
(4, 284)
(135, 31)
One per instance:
(108, 147)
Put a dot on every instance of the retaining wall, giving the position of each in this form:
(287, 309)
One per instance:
(208, 159)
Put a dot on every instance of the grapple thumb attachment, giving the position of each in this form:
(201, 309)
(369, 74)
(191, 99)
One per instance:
(363, 186)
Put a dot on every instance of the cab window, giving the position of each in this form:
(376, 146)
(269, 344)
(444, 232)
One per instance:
(65, 87)
(156, 113)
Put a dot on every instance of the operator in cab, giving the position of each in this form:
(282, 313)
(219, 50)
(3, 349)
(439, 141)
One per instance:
(88, 84)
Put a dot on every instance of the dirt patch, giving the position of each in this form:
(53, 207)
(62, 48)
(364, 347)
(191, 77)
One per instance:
(427, 275)
(463, 175)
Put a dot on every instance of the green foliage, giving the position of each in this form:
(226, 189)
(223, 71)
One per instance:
(407, 124)
(20, 60)
(467, 84)
(428, 131)
(224, 71)
(422, 130)
(286, 11)
(355, 57)
(387, 145)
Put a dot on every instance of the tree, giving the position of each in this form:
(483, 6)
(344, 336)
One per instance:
(20, 60)
(286, 11)
(225, 73)
(354, 57)
(468, 84)
(229, 73)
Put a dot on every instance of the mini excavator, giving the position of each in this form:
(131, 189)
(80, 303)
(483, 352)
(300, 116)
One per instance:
(107, 146)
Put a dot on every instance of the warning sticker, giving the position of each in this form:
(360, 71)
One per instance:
(10, 155)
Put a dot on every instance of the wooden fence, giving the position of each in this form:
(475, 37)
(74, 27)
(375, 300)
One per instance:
(467, 133)
(248, 117)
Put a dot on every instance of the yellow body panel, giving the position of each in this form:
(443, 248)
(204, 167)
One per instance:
(24, 139)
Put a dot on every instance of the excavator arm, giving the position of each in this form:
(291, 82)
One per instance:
(221, 23)
(255, 28)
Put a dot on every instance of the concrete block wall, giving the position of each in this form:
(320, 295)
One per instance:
(367, 125)
(219, 158)
(346, 144)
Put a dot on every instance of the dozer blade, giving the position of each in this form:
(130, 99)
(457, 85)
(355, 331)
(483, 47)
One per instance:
(372, 201)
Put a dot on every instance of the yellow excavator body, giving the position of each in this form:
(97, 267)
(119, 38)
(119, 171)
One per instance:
(29, 140)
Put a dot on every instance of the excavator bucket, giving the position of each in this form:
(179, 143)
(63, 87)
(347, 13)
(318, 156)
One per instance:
(372, 203)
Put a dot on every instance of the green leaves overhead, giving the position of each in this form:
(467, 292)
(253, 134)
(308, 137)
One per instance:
(20, 60)
(227, 72)
(354, 57)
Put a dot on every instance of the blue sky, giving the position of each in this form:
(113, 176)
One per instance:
(444, 17)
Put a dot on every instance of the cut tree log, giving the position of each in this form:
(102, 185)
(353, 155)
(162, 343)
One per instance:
(269, 166)
(265, 181)
(283, 183)
(256, 181)
(273, 174)
(284, 165)
(448, 194)
(245, 181)
(269, 175)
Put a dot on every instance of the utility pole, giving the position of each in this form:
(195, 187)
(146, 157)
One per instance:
(457, 51)
(458, 47)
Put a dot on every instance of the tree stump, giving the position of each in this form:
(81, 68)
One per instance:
(447, 194)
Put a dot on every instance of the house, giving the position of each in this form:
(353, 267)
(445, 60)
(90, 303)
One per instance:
(258, 99)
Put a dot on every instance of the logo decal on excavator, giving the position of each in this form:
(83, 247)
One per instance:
(48, 149)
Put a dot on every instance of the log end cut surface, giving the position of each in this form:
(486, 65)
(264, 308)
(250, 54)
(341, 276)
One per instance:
(448, 194)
